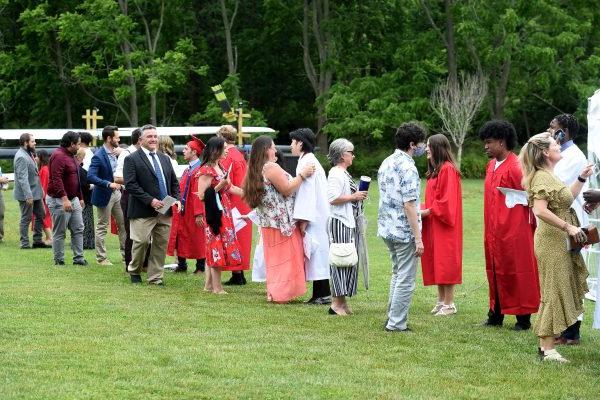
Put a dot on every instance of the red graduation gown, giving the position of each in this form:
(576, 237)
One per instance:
(187, 238)
(442, 229)
(236, 160)
(508, 240)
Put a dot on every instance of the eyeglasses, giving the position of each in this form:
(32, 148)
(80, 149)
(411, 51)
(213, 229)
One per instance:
(350, 151)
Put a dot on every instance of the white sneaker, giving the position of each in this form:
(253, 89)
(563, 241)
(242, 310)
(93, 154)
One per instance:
(446, 310)
(553, 355)
(438, 307)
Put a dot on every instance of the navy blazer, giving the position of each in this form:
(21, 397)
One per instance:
(141, 183)
(100, 174)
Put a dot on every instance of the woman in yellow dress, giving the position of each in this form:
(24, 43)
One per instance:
(562, 271)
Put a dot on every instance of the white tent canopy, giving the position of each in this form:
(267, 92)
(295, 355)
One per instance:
(593, 139)
(593, 120)
(56, 134)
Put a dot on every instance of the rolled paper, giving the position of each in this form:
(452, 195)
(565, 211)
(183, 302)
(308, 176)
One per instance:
(364, 183)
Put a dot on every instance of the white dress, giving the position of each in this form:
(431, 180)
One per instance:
(311, 205)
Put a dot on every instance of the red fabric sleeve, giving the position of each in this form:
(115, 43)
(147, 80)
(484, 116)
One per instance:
(444, 206)
(194, 198)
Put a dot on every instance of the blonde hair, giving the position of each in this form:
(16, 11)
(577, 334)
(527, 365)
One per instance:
(80, 154)
(532, 156)
(166, 146)
(227, 132)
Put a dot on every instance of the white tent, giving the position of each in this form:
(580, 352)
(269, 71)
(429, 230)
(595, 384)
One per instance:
(56, 134)
(593, 122)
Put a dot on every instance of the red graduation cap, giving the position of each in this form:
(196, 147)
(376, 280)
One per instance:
(196, 144)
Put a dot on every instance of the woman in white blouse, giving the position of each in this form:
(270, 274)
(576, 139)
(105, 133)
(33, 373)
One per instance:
(345, 204)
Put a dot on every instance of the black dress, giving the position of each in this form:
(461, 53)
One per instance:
(89, 232)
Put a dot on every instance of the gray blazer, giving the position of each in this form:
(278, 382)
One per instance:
(27, 178)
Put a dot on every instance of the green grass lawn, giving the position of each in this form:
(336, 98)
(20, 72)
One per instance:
(87, 333)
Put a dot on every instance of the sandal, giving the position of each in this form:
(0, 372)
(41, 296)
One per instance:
(446, 310)
(438, 307)
(553, 355)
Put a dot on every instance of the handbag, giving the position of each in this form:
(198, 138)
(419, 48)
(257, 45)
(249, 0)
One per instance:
(592, 238)
(342, 255)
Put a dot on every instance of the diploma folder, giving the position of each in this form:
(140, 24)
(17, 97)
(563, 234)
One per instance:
(513, 197)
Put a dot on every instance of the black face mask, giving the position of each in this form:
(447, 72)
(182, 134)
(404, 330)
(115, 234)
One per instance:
(560, 136)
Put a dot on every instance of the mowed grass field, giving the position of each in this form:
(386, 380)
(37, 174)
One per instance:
(87, 333)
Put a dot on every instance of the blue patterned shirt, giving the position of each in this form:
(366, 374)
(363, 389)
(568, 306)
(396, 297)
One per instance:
(399, 183)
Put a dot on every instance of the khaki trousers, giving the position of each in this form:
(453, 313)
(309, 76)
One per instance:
(112, 208)
(144, 231)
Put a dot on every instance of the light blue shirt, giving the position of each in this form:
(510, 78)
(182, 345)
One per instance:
(147, 152)
(399, 183)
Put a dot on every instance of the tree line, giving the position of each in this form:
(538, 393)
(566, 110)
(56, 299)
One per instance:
(344, 68)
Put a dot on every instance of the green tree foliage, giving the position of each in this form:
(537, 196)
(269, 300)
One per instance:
(155, 60)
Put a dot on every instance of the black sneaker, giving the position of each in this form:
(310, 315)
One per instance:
(82, 263)
(41, 245)
(136, 279)
(59, 263)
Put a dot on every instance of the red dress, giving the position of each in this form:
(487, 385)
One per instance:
(442, 229)
(187, 238)
(508, 240)
(44, 178)
(235, 160)
(222, 250)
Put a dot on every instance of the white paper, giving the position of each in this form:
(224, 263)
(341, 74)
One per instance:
(238, 221)
(168, 203)
(253, 216)
(514, 197)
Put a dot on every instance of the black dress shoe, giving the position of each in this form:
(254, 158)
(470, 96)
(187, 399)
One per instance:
(236, 279)
(487, 322)
(41, 245)
(323, 300)
(82, 263)
(519, 327)
(180, 268)
(407, 329)
(59, 263)
(136, 279)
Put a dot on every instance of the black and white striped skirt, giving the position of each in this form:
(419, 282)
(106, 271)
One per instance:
(344, 281)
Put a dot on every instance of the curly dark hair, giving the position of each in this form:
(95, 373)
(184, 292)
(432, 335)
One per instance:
(69, 138)
(569, 122)
(500, 130)
(409, 133)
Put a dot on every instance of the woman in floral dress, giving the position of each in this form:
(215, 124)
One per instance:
(271, 191)
(214, 187)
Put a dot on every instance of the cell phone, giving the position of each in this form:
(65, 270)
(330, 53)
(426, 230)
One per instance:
(559, 136)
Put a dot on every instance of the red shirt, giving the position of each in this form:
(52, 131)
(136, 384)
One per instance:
(64, 175)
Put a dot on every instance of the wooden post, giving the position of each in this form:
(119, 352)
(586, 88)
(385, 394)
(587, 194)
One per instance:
(91, 121)
(240, 122)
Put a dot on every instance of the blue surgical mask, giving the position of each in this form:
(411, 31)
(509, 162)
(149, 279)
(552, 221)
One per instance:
(419, 151)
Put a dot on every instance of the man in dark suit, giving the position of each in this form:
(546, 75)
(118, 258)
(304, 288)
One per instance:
(106, 195)
(149, 178)
(28, 192)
